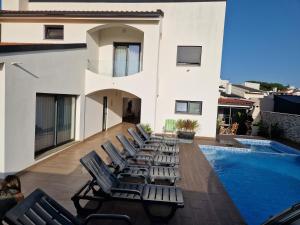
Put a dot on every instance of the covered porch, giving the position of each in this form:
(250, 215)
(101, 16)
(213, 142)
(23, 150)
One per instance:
(206, 201)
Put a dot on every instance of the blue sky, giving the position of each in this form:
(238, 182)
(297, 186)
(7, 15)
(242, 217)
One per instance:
(262, 41)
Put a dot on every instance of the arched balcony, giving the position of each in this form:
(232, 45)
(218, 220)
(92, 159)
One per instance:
(115, 50)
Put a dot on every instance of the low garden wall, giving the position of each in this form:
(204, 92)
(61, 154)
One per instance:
(289, 123)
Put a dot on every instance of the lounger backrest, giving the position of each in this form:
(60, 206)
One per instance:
(136, 137)
(288, 216)
(99, 171)
(39, 208)
(127, 145)
(115, 155)
(142, 131)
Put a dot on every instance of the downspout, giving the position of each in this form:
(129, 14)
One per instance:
(157, 74)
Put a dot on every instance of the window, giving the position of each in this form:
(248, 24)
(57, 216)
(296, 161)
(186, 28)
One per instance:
(126, 59)
(189, 55)
(188, 107)
(54, 122)
(54, 32)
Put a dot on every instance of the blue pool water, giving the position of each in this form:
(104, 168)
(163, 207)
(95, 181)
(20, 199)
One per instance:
(262, 180)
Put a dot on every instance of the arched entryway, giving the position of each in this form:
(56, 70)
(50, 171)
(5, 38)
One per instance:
(107, 108)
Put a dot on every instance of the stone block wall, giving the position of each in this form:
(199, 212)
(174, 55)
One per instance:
(289, 123)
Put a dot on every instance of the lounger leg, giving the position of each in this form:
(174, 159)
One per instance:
(153, 217)
(82, 210)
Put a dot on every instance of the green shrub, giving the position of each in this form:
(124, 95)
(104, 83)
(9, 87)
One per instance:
(187, 125)
(147, 128)
(275, 131)
(263, 129)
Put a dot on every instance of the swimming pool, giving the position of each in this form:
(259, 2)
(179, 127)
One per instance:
(260, 181)
(267, 146)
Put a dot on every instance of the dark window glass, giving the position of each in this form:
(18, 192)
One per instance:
(188, 107)
(54, 121)
(189, 55)
(54, 32)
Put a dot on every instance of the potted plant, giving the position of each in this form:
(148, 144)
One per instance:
(147, 128)
(186, 128)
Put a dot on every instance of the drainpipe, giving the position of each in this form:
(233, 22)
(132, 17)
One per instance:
(157, 73)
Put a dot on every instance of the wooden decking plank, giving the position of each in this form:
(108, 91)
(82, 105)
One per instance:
(206, 201)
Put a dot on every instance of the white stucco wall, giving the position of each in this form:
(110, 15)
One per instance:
(2, 117)
(189, 23)
(58, 71)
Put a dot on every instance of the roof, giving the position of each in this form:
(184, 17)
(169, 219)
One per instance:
(124, 1)
(248, 89)
(235, 102)
(24, 47)
(79, 14)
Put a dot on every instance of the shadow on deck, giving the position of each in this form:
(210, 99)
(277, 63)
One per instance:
(206, 201)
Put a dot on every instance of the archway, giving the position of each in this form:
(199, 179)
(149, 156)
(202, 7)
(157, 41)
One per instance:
(107, 108)
(115, 50)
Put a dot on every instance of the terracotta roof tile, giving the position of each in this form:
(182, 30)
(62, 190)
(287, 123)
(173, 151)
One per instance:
(235, 101)
(78, 14)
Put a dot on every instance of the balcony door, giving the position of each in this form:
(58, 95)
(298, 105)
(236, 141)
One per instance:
(126, 59)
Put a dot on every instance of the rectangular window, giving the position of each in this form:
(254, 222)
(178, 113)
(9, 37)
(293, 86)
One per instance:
(188, 107)
(54, 122)
(54, 32)
(189, 55)
(126, 59)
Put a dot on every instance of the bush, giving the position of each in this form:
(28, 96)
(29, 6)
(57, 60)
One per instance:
(275, 131)
(263, 129)
(272, 131)
(147, 128)
(187, 125)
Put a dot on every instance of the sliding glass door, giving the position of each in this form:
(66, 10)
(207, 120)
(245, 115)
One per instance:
(55, 121)
(65, 119)
(126, 59)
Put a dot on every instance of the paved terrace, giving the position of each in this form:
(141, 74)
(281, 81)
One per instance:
(206, 201)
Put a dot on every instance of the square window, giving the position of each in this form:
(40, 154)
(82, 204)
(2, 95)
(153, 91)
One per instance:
(189, 55)
(181, 107)
(195, 108)
(54, 32)
(188, 107)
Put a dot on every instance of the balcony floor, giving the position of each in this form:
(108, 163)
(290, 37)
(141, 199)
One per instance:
(206, 201)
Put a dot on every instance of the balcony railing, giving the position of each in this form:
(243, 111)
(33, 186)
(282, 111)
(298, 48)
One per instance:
(106, 68)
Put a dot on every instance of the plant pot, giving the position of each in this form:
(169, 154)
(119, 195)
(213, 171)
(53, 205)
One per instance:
(254, 131)
(186, 135)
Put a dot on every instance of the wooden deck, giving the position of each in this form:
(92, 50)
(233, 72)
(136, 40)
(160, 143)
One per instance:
(206, 201)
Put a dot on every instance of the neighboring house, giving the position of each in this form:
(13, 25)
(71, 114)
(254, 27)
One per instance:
(229, 108)
(105, 62)
(246, 91)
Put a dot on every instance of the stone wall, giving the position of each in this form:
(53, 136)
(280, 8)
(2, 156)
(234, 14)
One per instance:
(289, 123)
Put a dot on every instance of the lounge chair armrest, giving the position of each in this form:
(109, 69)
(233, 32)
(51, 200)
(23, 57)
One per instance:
(120, 175)
(145, 154)
(124, 218)
(128, 191)
(142, 167)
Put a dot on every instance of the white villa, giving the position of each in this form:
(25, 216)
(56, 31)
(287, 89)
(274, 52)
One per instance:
(72, 68)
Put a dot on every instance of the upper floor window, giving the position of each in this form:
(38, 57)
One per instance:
(54, 32)
(189, 55)
(126, 59)
(188, 107)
